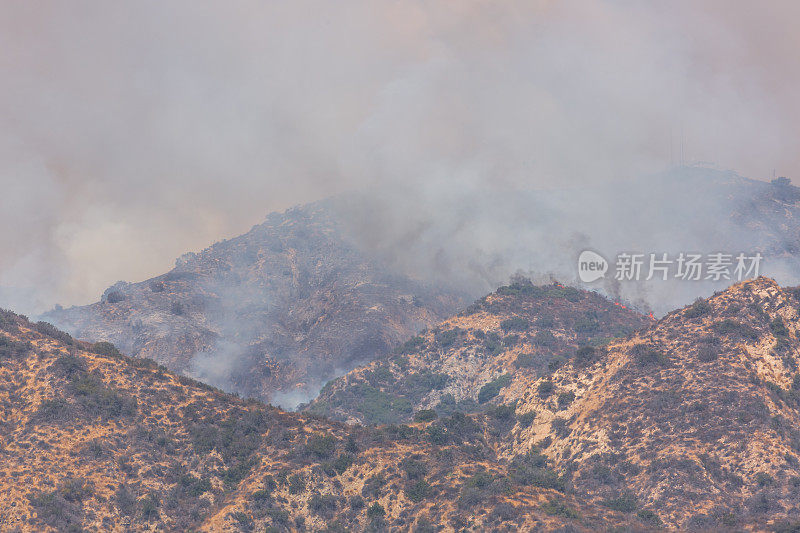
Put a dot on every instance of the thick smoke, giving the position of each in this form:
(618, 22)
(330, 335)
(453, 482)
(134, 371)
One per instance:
(130, 133)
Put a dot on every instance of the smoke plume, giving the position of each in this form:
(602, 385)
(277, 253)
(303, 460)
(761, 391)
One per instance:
(131, 133)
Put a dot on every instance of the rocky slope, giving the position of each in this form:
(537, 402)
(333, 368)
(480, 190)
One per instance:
(276, 310)
(693, 418)
(313, 292)
(462, 362)
(96, 441)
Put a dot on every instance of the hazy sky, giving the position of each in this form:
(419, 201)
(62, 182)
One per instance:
(133, 132)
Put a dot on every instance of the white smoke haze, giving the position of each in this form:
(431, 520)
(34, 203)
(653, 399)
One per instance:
(131, 133)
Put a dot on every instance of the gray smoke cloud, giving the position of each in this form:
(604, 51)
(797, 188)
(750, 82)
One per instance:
(131, 133)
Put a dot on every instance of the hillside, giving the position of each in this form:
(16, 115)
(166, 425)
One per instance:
(94, 440)
(462, 363)
(320, 289)
(693, 417)
(269, 314)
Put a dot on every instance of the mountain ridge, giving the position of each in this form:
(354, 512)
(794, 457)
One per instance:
(273, 311)
(92, 439)
(691, 417)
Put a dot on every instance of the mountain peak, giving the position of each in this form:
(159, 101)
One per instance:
(521, 327)
(691, 417)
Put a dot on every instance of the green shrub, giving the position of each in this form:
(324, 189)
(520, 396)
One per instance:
(525, 360)
(708, 348)
(157, 286)
(150, 506)
(8, 321)
(418, 490)
(546, 388)
(557, 508)
(243, 520)
(342, 462)
(586, 324)
(646, 355)
(778, 328)
(784, 526)
(374, 485)
(492, 345)
(52, 509)
(260, 497)
(180, 276)
(412, 345)
(526, 419)
(381, 375)
(447, 338)
(425, 415)
(545, 320)
(100, 400)
(321, 445)
(559, 427)
(421, 383)
(323, 504)
(69, 366)
(55, 410)
(510, 341)
(296, 484)
(105, 348)
(125, 501)
(414, 468)
(522, 286)
(544, 338)
(356, 502)
(532, 469)
(436, 435)
(278, 516)
(239, 471)
(585, 355)
(764, 480)
(457, 429)
(379, 407)
(699, 308)
(480, 480)
(649, 517)
(565, 398)
(375, 510)
(194, 486)
(516, 323)
(45, 328)
(75, 489)
(115, 297)
(503, 412)
(624, 503)
(493, 388)
(735, 329)
(10, 348)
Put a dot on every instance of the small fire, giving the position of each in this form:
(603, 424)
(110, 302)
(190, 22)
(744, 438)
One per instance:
(651, 316)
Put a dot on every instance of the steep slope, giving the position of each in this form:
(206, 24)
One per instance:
(93, 440)
(462, 364)
(288, 304)
(696, 417)
(313, 292)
